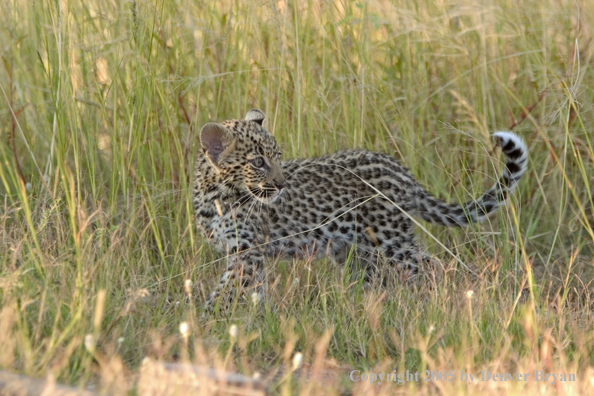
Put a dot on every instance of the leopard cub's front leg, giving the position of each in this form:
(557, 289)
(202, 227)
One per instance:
(244, 273)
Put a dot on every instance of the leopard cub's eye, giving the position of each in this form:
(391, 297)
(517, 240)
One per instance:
(258, 162)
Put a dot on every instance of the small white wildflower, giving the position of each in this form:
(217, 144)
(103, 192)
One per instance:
(233, 332)
(295, 282)
(431, 329)
(188, 287)
(120, 340)
(297, 360)
(28, 186)
(469, 294)
(256, 298)
(184, 329)
(257, 375)
(90, 343)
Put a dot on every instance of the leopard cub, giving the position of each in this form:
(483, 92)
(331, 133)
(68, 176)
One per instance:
(252, 205)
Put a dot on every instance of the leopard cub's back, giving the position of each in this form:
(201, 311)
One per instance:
(333, 199)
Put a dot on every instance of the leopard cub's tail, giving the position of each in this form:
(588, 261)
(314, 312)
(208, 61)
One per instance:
(516, 160)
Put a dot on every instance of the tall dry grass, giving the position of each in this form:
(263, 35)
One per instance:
(100, 103)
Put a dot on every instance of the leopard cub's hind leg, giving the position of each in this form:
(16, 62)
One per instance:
(407, 265)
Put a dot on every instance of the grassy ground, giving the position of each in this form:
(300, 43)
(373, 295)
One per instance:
(100, 105)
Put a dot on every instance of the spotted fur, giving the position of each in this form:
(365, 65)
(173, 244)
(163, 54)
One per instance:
(252, 205)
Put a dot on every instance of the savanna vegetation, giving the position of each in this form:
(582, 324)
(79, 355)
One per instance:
(100, 262)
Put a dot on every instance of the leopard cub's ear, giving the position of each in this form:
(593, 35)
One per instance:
(217, 142)
(256, 116)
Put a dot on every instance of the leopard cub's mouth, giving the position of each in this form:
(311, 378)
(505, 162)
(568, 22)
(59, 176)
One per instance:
(266, 194)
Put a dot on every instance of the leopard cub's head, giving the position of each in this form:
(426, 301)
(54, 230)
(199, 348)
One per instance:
(245, 155)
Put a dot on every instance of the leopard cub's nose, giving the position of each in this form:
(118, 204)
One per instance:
(280, 185)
